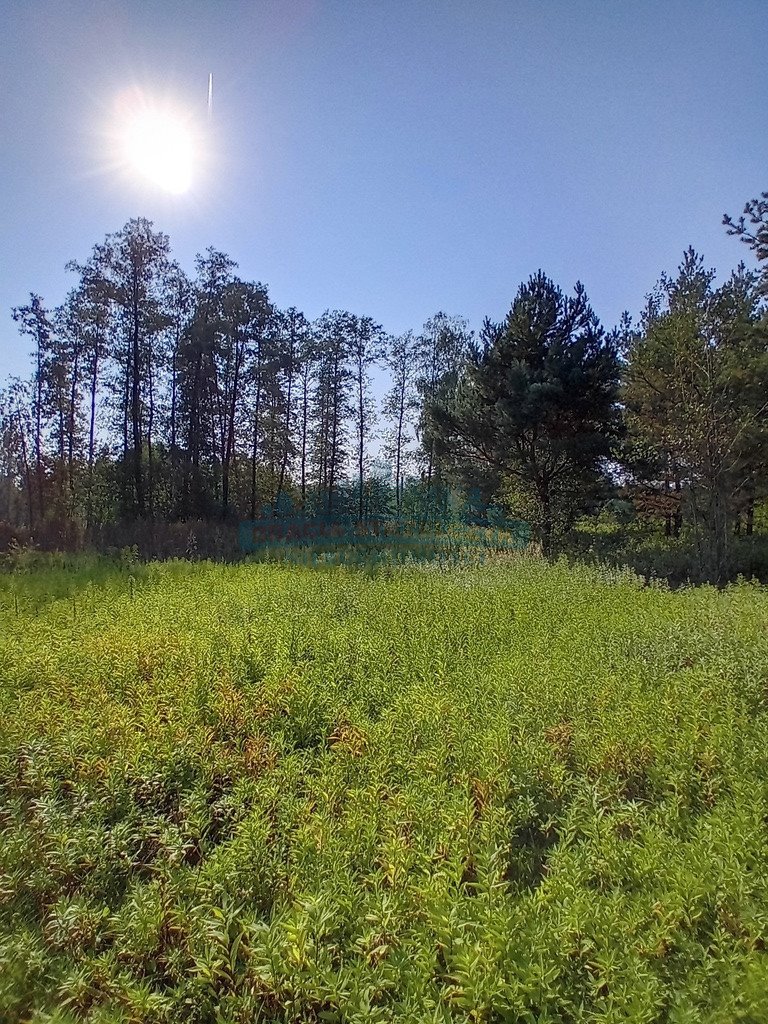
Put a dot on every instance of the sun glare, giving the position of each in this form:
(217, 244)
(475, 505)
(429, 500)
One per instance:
(158, 146)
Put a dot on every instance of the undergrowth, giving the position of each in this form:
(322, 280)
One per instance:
(505, 791)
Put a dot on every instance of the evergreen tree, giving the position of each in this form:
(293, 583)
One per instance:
(695, 393)
(295, 333)
(401, 403)
(366, 349)
(755, 235)
(332, 402)
(537, 405)
(34, 321)
(128, 274)
(442, 347)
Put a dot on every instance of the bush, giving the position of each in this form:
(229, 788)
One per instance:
(654, 556)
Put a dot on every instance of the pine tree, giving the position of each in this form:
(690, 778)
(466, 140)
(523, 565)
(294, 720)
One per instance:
(401, 403)
(366, 349)
(695, 392)
(755, 235)
(443, 345)
(536, 405)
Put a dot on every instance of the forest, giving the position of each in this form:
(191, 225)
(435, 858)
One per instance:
(158, 398)
(357, 678)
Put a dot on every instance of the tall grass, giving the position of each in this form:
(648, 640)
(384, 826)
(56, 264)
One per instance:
(503, 791)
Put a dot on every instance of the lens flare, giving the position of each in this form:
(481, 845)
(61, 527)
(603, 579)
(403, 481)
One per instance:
(155, 141)
(159, 147)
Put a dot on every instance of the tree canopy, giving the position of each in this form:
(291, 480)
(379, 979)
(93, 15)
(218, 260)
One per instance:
(538, 405)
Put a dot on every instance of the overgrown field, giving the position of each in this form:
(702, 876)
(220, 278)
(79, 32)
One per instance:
(510, 792)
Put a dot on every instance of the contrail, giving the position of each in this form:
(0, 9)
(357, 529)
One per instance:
(210, 95)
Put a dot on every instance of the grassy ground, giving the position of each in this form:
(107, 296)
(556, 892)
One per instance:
(505, 792)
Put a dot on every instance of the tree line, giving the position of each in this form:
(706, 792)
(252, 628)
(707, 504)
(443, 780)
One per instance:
(155, 395)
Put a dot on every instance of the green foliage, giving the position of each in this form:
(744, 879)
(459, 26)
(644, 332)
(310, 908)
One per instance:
(604, 539)
(536, 407)
(752, 228)
(695, 397)
(509, 791)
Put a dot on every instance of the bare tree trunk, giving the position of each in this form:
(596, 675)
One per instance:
(192, 485)
(150, 462)
(399, 445)
(27, 475)
(138, 477)
(257, 413)
(545, 502)
(126, 401)
(39, 430)
(254, 456)
(430, 465)
(174, 455)
(360, 439)
(334, 439)
(229, 446)
(304, 414)
(667, 513)
(91, 440)
(332, 461)
(718, 548)
(677, 519)
(71, 428)
(286, 427)
(62, 465)
(272, 427)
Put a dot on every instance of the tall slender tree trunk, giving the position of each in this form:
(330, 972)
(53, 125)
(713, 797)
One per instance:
(286, 426)
(71, 427)
(677, 519)
(257, 413)
(334, 398)
(126, 415)
(749, 506)
(304, 415)
(92, 440)
(667, 511)
(39, 430)
(718, 540)
(360, 436)
(174, 454)
(399, 445)
(324, 443)
(272, 429)
(138, 480)
(255, 453)
(62, 465)
(545, 502)
(27, 474)
(150, 457)
(229, 446)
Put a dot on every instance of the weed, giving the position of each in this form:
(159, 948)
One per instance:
(452, 785)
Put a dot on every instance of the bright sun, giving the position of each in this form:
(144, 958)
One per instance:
(158, 145)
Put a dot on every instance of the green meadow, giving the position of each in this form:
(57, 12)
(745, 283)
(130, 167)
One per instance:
(507, 791)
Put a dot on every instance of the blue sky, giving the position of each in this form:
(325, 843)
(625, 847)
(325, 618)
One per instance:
(394, 157)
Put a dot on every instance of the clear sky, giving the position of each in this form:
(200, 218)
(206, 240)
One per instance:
(391, 157)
